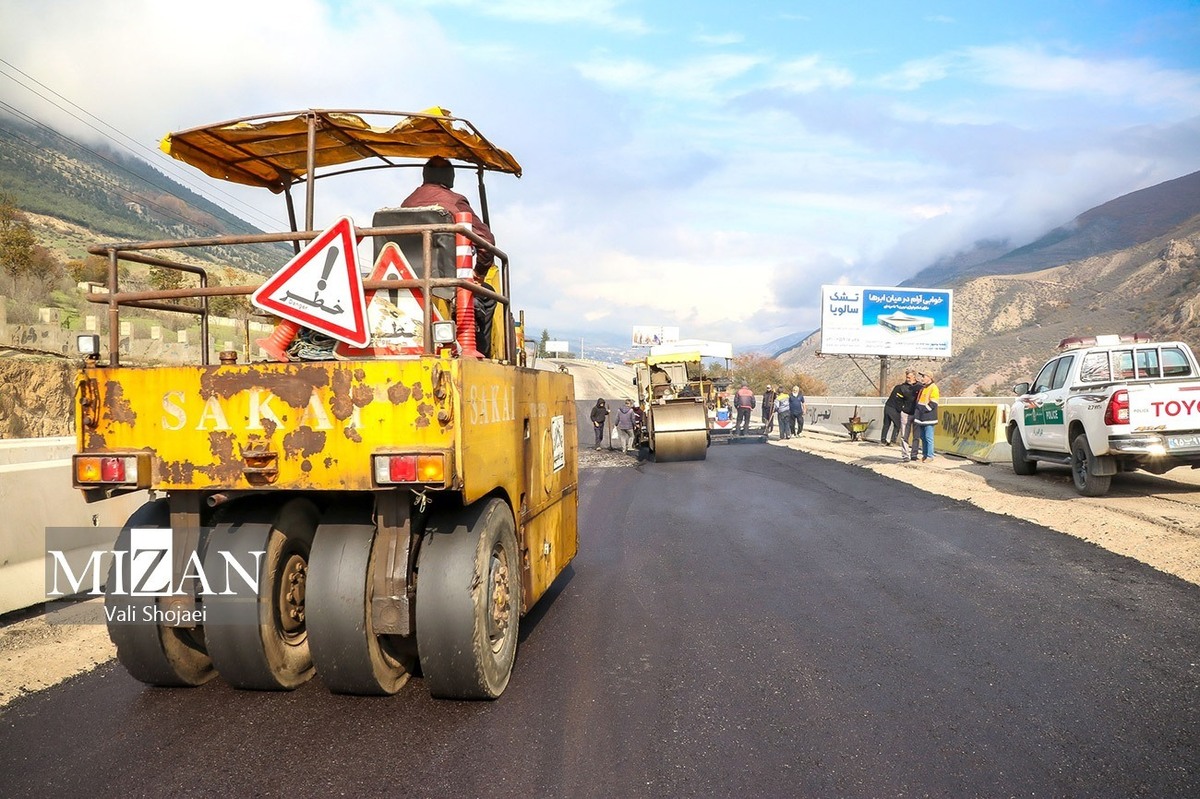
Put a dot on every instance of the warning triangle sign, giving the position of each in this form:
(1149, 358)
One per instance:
(321, 288)
(395, 317)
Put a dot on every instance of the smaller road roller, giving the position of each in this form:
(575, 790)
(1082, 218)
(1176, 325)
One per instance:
(673, 395)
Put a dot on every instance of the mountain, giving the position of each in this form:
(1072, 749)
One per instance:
(114, 196)
(1126, 266)
(1116, 225)
(776, 347)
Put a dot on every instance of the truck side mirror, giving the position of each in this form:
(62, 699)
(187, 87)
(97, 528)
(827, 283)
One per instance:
(1021, 388)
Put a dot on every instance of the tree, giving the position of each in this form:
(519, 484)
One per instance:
(18, 246)
(92, 269)
(542, 342)
(234, 306)
(163, 278)
(759, 371)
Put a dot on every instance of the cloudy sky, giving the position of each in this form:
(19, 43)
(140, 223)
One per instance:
(707, 164)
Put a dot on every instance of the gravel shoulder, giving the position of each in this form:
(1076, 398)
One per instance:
(1152, 519)
(1155, 520)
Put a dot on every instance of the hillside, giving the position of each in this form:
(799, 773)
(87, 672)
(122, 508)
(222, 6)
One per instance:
(111, 195)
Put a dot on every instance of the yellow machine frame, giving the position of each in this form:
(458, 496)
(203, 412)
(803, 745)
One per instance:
(207, 435)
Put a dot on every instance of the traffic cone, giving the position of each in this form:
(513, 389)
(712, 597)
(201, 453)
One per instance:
(281, 338)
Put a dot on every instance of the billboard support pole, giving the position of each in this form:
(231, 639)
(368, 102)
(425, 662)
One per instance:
(883, 370)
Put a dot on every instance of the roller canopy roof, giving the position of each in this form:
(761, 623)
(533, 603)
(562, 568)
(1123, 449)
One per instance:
(272, 150)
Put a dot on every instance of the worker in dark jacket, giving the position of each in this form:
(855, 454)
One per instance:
(796, 405)
(899, 402)
(599, 417)
(744, 402)
(438, 174)
(908, 430)
(768, 410)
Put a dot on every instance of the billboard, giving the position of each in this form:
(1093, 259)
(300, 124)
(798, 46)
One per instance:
(868, 320)
(557, 346)
(649, 335)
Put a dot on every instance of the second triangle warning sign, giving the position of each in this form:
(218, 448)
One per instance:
(395, 317)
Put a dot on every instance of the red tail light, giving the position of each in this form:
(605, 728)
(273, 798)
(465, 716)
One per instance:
(112, 470)
(1117, 411)
(402, 469)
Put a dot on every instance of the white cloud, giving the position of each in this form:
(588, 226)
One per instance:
(1140, 81)
(808, 74)
(706, 77)
(915, 74)
(718, 39)
(604, 14)
(1137, 81)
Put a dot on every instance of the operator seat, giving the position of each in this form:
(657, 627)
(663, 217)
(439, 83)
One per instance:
(411, 244)
(444, 263)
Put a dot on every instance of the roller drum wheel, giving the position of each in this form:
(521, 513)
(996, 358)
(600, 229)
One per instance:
(260, 642)
(151, 653)
(686, 445)
(679, 432)
(469, 601)
(350, 658)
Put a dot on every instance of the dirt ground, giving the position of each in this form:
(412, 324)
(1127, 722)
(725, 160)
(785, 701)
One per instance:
(1155, 520)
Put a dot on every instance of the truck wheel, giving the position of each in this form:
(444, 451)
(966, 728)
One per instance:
(1086, 483)
(152, 653)
(349, 656)
(259, 640)
(469, 601)
(1020, 459)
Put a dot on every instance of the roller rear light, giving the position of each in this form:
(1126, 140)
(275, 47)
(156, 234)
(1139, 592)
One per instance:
(111, 470)
(417, 468)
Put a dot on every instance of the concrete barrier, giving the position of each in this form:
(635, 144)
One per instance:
(36, 493)
(972, 427)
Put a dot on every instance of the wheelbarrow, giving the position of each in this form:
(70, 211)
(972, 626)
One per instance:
(856, 426)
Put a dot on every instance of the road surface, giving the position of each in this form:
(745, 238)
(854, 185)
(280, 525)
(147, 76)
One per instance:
(763, 623)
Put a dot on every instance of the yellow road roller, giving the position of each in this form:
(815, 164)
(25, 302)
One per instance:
(348, 501)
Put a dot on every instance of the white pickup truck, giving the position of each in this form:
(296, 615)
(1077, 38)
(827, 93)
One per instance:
(1109, 404)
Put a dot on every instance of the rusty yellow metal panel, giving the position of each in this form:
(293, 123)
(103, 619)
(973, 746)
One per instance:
(552, 541)
(314, 426)
(315, 423)
(518, 434)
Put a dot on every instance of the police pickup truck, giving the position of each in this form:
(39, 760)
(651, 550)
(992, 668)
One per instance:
(1109, 404)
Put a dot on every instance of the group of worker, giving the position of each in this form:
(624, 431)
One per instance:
(788, 409)
(629, 419)
(911, 414)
